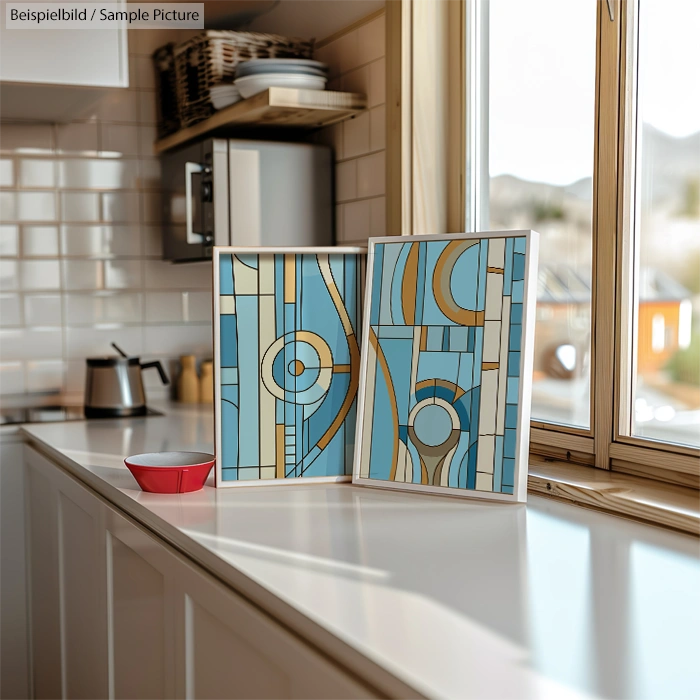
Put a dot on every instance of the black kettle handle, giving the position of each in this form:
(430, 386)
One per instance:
(159, 367)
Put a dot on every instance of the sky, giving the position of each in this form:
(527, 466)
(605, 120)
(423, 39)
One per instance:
(542, 82)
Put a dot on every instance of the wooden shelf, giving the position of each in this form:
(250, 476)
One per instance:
(276, 107)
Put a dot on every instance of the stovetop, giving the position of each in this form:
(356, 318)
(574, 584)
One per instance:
(49, 414)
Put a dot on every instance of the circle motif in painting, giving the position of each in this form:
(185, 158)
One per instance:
(432, 424)
(298, 368)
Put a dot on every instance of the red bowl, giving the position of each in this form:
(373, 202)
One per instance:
(170, 472)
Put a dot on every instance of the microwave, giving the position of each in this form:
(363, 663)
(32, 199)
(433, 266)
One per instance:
(245, 193)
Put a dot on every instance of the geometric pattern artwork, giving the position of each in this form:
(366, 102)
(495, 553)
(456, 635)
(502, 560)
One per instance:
(287, 363)
(447, 359)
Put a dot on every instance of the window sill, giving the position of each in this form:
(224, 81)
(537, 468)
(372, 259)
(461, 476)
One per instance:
(676, 507)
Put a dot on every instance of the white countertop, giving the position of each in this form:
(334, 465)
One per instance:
(453, 598)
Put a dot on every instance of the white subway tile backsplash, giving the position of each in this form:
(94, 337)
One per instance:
(377, 83)
(356, 80)
(346, 181)
(37, 173)
(122, 241)
(152, 207)
(119, 106)
(42, 310)
(11, 377)
(88, 309)
(149, 173)
(83, 274)
(123, 274)
(100, 241)
(10, 310)
(79, 138)
(9, 275)
(160, 274)
(356, 220)
(8, 206)
(198, 306)
(147, 108)
(147, 139)
(39, 241)
(178, 307)
(9, 240)
(87, 342)
(80, 206)
(356, 136)
(144, 72)
(45, 375)
(120, 207)
(377, 217)
(370, 175)
(348, 51)
(103, 174)
(39, 274)
(371, 40)
(120, 139)
(178, 340)
(7, 173)
(26, 138)
(164, 307)
(153, 240)
(75, 376)
(377, 129)
(36, 206)
(31, 343)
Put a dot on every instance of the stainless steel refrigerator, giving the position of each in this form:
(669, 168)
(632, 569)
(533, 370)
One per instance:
(247, 193)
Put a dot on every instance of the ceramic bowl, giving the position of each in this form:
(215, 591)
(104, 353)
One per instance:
(253, 84)
(170, 472)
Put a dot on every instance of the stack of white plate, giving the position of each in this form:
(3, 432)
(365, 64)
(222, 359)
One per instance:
(259, 74)
(224, 95)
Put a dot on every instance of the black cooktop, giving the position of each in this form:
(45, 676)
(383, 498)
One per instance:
(49, 414)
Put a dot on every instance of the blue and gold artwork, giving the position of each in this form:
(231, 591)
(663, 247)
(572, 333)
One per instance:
(289, 363)
(442, 403)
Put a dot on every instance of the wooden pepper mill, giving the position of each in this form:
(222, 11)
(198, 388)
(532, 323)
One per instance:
(206, 382)
(187, 384)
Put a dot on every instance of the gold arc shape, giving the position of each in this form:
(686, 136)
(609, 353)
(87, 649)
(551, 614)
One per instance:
(408, 286)
(325, 270)
(441, 286)
(392, 400)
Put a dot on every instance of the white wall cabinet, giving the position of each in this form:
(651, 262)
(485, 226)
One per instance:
(57, 75)
(118, 613)
(88, 57)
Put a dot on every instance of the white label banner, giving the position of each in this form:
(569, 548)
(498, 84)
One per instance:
(94, 15)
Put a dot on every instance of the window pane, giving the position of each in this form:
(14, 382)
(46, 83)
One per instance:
(541, 125)
(666, 393)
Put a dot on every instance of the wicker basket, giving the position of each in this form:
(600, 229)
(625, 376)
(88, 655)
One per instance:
(166, 86)
(210, 58)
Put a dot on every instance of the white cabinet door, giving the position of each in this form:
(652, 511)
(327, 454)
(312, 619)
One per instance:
(95, 57)
(83, 590)
(142, 611)
(224, 646)
(67, 582)
(14, 672)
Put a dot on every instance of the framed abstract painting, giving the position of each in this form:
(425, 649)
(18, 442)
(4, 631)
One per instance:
(446, 364)
(286, 363)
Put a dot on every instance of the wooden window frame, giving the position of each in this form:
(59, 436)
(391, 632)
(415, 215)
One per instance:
(437, 84)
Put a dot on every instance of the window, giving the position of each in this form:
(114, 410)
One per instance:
(540, 151)
(665, 397)
(583, 123)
